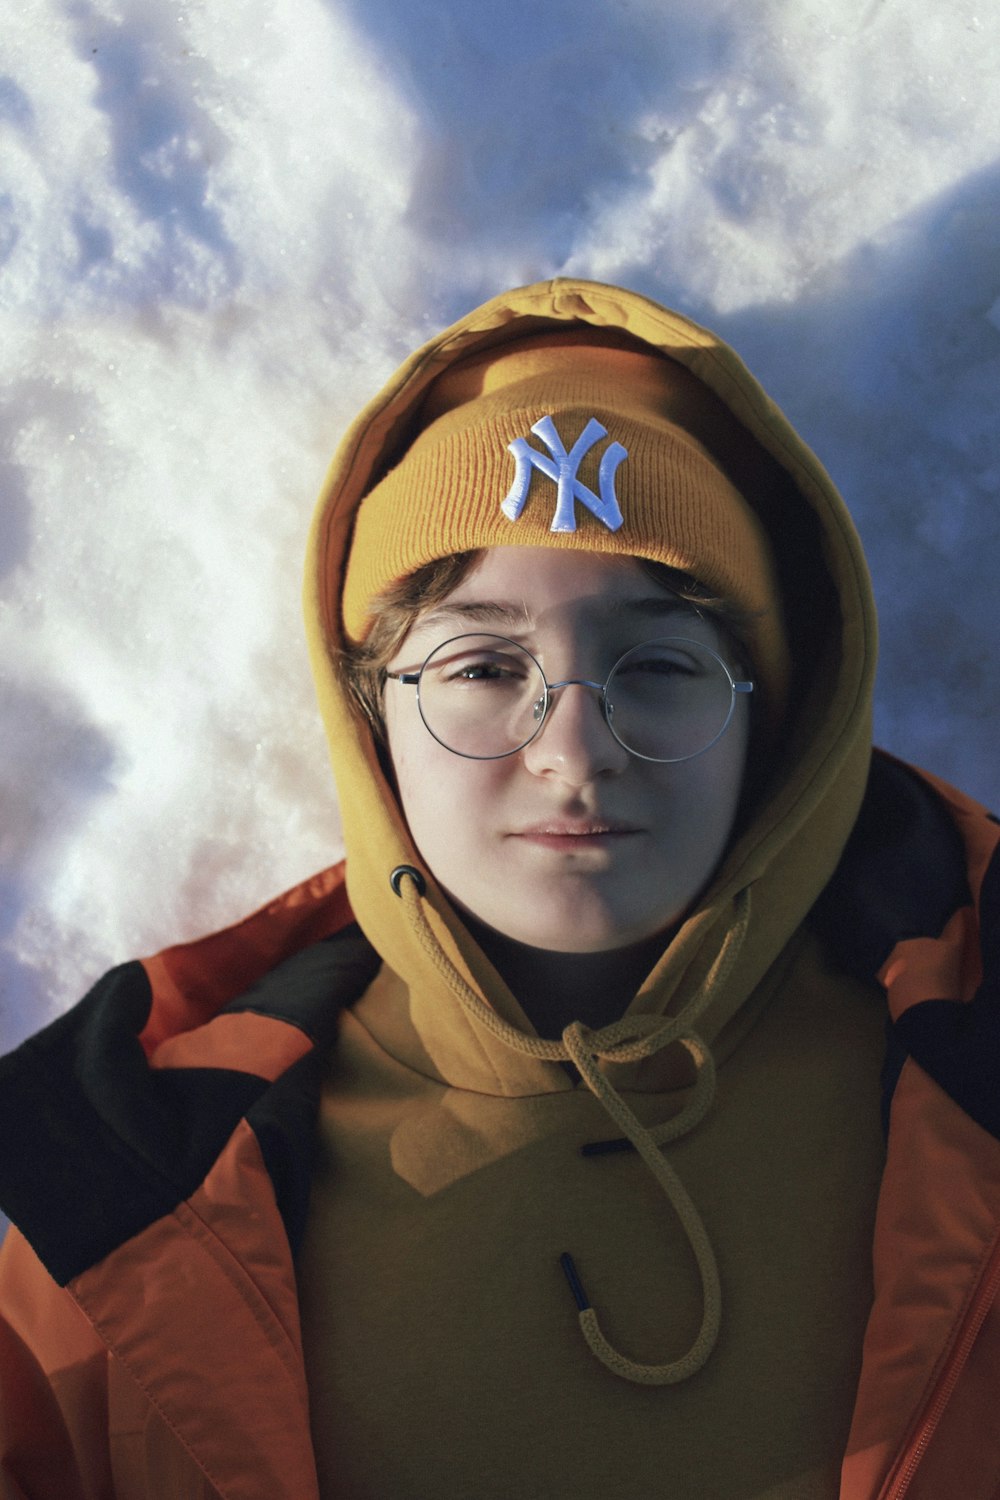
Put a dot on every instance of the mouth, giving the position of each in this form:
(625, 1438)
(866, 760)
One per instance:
(568, 835)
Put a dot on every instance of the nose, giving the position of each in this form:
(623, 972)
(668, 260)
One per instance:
(575, 743)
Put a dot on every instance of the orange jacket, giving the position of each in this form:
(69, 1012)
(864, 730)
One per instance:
(155, 1152)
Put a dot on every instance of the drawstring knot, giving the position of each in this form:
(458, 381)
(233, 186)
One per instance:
(631, 1039)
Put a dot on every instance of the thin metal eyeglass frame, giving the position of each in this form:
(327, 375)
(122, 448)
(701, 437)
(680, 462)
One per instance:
(737, 685)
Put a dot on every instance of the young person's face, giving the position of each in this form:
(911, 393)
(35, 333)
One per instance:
(571, 844)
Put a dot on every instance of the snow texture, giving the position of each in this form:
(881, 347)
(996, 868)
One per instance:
(221, 226)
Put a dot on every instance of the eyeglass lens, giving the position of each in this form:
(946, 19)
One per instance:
(484, 697)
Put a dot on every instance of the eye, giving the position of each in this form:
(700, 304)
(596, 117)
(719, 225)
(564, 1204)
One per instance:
(656, 661)
(484, 668)
(486, 671)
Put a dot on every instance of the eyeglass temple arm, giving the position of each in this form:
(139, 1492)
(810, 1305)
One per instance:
(408, 679)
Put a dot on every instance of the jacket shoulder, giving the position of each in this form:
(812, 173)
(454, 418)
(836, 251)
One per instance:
(904, 871)
(190, 981)
(103, 1130)
(915, 905)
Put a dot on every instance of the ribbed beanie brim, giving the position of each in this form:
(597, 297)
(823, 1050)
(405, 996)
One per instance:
(677, 507)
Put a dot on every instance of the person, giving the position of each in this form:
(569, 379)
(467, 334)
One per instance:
(552, 1144)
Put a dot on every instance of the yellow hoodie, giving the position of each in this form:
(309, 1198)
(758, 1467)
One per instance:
(727, 1252)
(193, 1304)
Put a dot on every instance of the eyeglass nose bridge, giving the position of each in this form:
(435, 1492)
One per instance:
(540, 707)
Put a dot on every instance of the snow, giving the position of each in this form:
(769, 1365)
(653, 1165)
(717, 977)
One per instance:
(222, 226)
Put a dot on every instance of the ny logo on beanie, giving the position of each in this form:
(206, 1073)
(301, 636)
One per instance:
(562, 469)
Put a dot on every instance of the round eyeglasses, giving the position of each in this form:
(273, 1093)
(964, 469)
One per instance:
(485, 697)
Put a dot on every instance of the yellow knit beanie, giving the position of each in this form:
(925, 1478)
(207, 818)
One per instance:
(580, 440)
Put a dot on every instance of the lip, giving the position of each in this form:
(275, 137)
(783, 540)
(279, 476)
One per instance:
(585, 833)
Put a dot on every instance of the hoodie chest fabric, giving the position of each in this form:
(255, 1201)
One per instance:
(442, 1345)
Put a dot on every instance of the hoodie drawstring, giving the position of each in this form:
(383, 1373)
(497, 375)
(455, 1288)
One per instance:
(629, 1040)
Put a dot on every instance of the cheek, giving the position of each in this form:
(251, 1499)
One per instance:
(409, 744)
(725, 783)
(438, 791)
(701, 800)
(732, 764)
(411, 754)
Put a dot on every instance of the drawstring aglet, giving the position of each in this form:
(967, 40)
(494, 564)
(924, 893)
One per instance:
(606, 1148)
(575, 1284)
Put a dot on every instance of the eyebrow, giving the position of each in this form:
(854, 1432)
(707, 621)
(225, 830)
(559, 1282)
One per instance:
(483, 611)
(654, 604)
(499, 612)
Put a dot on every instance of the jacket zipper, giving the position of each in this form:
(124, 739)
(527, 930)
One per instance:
(981, 1303)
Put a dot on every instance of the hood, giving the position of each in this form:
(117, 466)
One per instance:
(809, 796)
